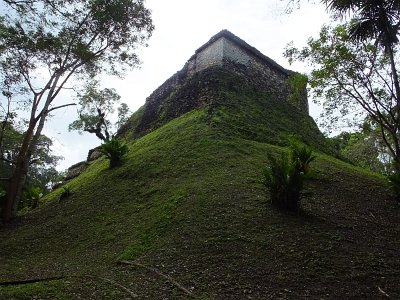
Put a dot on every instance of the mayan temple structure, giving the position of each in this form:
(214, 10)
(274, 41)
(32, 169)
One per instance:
(226, 49)
(191, 87)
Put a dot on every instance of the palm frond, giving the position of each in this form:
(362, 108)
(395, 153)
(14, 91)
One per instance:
(361, 29)
(378, 19)
(340, 7)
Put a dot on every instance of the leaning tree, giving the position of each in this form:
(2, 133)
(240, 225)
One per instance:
(46, 43)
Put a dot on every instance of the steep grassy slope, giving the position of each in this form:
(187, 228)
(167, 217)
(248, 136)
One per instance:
(187, 211)
(185, 216)
(235, 104)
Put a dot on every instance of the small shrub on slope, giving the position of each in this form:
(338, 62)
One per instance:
(31, 197)
(284, 176)
(114, 150)
(301, 156)
(66, 192)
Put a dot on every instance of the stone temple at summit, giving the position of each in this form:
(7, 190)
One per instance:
(225, 48)
(224, 51)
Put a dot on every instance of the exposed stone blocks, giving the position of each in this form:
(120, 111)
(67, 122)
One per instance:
(227, 50)
(210, 56)
(75, 170)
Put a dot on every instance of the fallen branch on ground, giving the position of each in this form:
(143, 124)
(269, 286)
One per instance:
(28, 281)
(170, 279)
(113, 282)
(36, 280)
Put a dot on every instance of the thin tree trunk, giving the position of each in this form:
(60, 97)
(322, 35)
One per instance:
(395, 77)
(4, 125)
(24, 174)
(21, 184)
(21, 169)
(18, 178)
(397, 115)
(25, 167)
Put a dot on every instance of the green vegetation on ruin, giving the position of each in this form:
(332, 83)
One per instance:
(187, 204)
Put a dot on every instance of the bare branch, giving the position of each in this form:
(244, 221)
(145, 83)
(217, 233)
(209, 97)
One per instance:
(61, 106)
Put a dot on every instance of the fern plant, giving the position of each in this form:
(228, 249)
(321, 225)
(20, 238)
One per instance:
(31, 196)
(114, 150)
(284, 176)
(301, 155)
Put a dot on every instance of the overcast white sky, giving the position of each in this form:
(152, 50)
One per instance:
(182, 26)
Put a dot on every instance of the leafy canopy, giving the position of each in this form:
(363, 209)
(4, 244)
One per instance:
(371, 19)
(42, 163)
(45, 43)
(352, 80)
(364, 148)
(98, 35)
(95, 108)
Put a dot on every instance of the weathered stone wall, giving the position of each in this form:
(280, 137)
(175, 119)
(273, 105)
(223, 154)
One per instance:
(236, 54)
(78, 168)
(270, 78)
(75, 170)
(156, 100)
(224, 49)
(210, 56)
(94, 154)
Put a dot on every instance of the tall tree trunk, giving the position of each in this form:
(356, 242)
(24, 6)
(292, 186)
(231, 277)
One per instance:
(18, 178)
(21, 184)
(28, 145)
(396, 84)
(25, 167)
(395, 76)
(5, 122)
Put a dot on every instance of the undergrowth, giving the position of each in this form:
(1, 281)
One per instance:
(284, 176)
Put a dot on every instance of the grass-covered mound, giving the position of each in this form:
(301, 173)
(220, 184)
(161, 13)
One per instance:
(234, 104)
(187, 212)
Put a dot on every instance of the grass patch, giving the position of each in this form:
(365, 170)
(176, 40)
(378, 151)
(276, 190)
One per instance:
(41, 290)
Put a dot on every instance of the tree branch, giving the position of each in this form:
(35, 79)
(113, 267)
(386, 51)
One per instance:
(61, 106)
